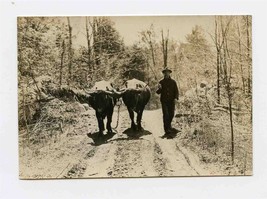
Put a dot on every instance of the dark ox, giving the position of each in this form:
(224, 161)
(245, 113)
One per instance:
(103, 98)
(135, 95)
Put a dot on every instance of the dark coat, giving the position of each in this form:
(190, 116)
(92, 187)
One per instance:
(169, 90)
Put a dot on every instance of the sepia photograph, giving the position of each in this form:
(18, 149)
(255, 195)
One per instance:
(134, 96)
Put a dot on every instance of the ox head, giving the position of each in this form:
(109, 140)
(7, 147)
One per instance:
(102, 96)
(133, 85)
(135, 93)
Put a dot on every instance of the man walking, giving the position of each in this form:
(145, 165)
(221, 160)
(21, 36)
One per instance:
(168, 91)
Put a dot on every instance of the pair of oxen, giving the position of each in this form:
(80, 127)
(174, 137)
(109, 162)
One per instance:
(103, 98)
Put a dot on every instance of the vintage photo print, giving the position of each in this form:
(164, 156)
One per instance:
(135, 96)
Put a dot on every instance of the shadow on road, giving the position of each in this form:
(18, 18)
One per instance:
(100, 138)
(172, 134)
(133, 134)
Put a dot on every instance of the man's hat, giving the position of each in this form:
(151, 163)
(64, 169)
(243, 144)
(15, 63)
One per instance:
(166, 69)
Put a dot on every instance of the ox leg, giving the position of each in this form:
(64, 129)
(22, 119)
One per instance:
(100, 123)
(139, 119)
(109, 120)
(131, 114)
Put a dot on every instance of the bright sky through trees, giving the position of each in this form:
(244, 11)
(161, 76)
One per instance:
(130, 26)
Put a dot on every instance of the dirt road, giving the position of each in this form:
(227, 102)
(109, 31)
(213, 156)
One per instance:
(124, 154)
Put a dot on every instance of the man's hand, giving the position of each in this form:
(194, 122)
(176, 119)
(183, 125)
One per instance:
(159, 89)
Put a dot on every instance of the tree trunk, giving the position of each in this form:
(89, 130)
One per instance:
(165, 48)
(230, 94)
(231, 124)
(100, 35)
(61, 62)
(218, 78)
(70, 52)
(248, 54)
(218, 61)
(249, 60)
(240, 58)
(96, 36)
(227, 74)
(152, 52)
(88, 46)
(93, 26)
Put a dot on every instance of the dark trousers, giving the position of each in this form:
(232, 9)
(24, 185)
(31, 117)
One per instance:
(168, 108)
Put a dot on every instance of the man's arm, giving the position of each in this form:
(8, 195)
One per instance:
(176, 91)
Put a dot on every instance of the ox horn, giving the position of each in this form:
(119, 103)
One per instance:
(108, 92)
(89, 92)
(121, 91)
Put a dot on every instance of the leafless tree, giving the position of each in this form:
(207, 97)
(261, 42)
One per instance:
(248, 52)
(227, 65)
(70, 53)
(88, 38)
(240, 55)
(164, 42)
(61, 62)
(147, 37)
